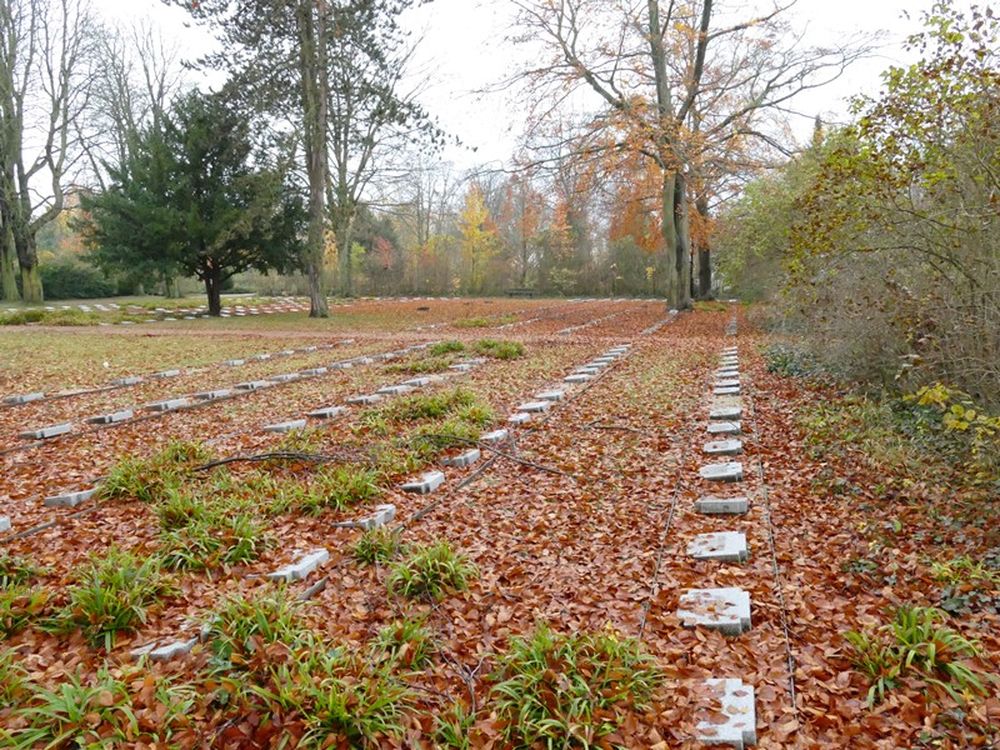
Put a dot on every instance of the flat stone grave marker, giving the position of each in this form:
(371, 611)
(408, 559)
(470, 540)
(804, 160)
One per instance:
(724, 428)
(384, 514)
(235, 362)
(309, 349)
(726, 413)
(261, 357)
(730, 447)
(163, 374)
(726, 610)
(70, 499)
(327, 412)
(727, 383)
(4, 524)
(128, 380)
(285, 377)
(724, 546)
(727, 372)
(597, 364)
(170, 404)
(294, 424)
(372, 398)
(577, 378)
(417, 382)
(464, 459)
(519, 418)
(711, 505)
(301, 568)
(287, 352)
(213, 395)
(535, 406)
(726, 391)
(341, 365)
(313, 372)
(43, 433)
(252, 385)
(735, 723)
(427, 483)
(111, 418)
(461, 367)
(731, 471)
(171, 651)
(394, 390)
(24, 398)
(492, 438)
(553, 395)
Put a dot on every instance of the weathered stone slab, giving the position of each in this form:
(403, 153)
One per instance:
(462, 460)
(170, 404)
(164, 374)
(727, 383)
(535, 406)
(519, 418)
(24, 398)
(417, 382)
(724, 428)
(70, 499)
(213, 395)
(253, 385)
(596, 364)
(287, 352)
(4, 524)
(727, 391)
(723, 447)
(51, 431)
(341, 365)
(327, 412)
(724, 546)
(112, 417)
(128, 380)
(461, 367)
(492, 438)
(261, 357)
(711, 505)
(394, 390)
(301, 568)
(312, 372)
(588, 370)
(554, 395)
(726, 413)
(427, 483)
(172, 650)
(365, 400)
(731, 471)
(384, 514)
(735, 722)
(728, 372)
(577, 378)
(731, 350)
(235, 362)
(285, 377)
(726, 610)
(309, 349)
(294, 424)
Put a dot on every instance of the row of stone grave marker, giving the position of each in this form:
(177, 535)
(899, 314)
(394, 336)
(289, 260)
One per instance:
(308, 562)
(18, 399)
(187, 401)
(75, 498)
(726, 610)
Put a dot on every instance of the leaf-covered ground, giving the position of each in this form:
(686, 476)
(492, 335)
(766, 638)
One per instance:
(581, 524)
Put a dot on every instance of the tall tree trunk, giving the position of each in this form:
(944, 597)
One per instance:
(682, 264)
(704, 251)
(8, 264)
(344, 232)
(312, 71)
(668, 228)
(213, 290)
(27, 258)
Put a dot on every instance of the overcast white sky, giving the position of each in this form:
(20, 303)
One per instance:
(464, 49)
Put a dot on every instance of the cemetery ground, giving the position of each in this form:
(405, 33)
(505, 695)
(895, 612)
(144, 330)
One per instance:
(238, 577)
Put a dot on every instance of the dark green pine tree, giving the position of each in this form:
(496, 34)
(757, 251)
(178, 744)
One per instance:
(198, 199)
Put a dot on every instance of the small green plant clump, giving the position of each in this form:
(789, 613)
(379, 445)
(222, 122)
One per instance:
(341, 487)
(916, 642)
(20, 601)
(377, 546)
(407, 643)
(499, 349)
(570, 690)
(152, 479)
(445, 347)
(111, 596)
(431, 571)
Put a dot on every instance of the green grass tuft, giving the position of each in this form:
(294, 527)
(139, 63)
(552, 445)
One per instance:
(377, 546)
(406, 643)
(499, 349)
(431, 571)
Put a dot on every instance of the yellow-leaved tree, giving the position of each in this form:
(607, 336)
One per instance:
(479, 241)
